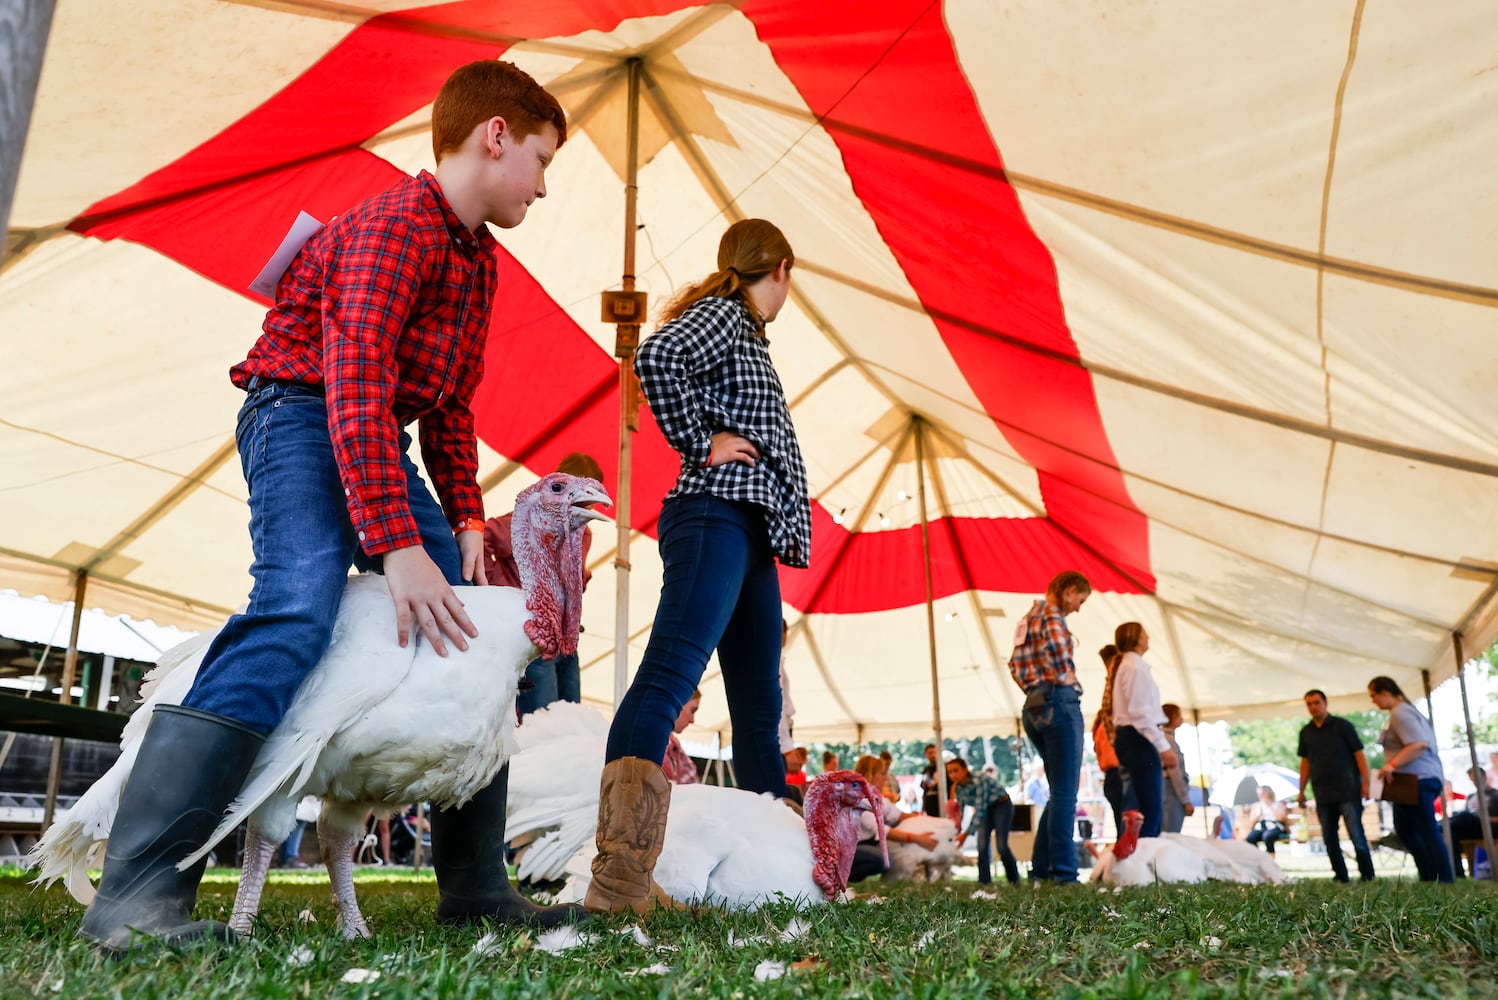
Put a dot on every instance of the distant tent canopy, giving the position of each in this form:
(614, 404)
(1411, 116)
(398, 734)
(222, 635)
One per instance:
(1195, 299)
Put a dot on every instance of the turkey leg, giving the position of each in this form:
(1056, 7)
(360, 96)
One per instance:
(257, 854)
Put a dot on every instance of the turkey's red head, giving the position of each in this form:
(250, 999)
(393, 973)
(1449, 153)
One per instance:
(547, 539)
(833, 801)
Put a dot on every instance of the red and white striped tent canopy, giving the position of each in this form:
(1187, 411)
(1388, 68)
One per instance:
(1195, 298)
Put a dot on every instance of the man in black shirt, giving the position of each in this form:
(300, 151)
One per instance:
(1331, 757)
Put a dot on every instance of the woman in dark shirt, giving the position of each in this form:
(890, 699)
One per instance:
(739, 504)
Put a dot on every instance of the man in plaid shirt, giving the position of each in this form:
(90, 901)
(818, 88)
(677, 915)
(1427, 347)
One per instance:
(379, 321)
(1042, 666)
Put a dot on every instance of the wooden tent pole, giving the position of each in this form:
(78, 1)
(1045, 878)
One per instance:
(69, 668)
(918, 425)
(1482, 792)
(626, 339)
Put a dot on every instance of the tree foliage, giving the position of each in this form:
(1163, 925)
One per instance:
(1277, 741)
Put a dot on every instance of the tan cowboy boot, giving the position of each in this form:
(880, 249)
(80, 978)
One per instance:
(633, 798)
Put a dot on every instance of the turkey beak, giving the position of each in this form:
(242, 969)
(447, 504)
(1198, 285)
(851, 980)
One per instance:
(582, 506)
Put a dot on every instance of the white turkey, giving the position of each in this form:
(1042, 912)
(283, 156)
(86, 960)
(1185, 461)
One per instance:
(376, 725)
(1175, 858)
(911, 862)
(723, 846)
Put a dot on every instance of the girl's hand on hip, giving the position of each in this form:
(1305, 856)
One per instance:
(730, 447)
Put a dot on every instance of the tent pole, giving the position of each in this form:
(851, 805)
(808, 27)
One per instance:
(918, 425)
(1430, 712)
(626, 338)
(1482, 792)
(22, 44)
(69, 668)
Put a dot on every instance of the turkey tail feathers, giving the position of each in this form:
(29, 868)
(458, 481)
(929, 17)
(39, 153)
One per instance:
(77, 836)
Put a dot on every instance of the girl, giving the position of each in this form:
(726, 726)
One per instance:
(1410, 748)
(1143, 751)
(740, 503)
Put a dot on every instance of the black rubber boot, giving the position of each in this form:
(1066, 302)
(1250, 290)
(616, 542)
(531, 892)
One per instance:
(190, 766)
(468, 855)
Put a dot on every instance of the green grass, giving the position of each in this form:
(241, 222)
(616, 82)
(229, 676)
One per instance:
(1312, 939)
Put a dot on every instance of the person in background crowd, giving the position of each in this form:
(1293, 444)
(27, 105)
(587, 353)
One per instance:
(930, 789)
(1116, 790)
(891, 784)
(677, 763)
(1410, 749)
(830, 762)
(1177, 804)
(1332, 761)
(1466, 824)
(1042, 667)
(787, 707)
(993, 812)
(795, 772)
(1269, 819)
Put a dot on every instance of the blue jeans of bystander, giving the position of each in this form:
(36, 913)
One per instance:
(1350, 812)
(994, 825)
(1417, 828)
(1055, 727)
(554, 680)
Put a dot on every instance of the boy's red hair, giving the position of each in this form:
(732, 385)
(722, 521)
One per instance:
(480, 91)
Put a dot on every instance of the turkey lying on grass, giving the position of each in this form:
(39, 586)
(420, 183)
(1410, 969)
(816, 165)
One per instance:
(723, 847)
(1174, 857)
(374, 726)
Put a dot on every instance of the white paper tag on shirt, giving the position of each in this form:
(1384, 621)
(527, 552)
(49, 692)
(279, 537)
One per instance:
(296, 237)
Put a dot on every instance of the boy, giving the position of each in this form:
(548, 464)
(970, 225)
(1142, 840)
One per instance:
(379, 320)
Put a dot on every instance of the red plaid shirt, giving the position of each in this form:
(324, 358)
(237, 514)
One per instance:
(1042, 648)
(387, 308)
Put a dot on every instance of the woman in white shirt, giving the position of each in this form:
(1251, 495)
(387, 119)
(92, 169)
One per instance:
(1142, 748)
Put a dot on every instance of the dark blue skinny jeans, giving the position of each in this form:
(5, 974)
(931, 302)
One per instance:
(1055, 727)
(995, 823)
(1421, 834)
(304, 544)
(719, 590)
(1138, 757)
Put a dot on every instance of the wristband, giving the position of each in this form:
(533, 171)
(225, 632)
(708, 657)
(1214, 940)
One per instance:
(469, 524)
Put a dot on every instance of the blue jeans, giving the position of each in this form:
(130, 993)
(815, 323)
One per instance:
(1139, 757)
(994, 823)
(292, 846)
(1120, 796)
(554, 680)
(1055, 727)
(1417, 828)
(719, 591)
(1173, 811)
(304, 544)
(1351, 813)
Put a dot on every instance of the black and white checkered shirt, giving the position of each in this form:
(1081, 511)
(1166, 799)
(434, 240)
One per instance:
(707, 371)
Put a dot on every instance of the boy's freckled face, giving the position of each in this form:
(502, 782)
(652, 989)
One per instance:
(519, 176)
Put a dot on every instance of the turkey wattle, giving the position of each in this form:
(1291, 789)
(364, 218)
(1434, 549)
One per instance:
(373, 726)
